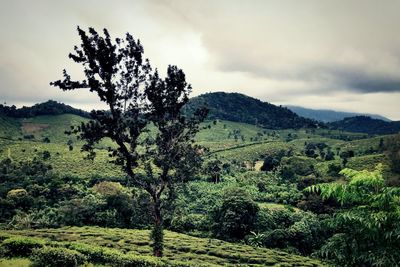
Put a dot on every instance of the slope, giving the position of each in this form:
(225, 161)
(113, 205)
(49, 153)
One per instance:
(365, 124)
(241, 108)
(178, 247)
(326, 115)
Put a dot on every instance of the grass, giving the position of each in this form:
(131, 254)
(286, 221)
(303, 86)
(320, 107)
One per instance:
(15, 262)
(257, 143)
(178, 247)
(24, 262)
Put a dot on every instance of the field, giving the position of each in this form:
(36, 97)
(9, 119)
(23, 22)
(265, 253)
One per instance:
(22, 139)
(242, 151)
(179, 247)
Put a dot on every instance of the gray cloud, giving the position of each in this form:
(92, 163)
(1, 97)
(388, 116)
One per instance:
(340, 54)
(350, 45)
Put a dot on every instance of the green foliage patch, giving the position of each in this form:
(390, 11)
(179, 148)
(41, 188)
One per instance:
(100, 244)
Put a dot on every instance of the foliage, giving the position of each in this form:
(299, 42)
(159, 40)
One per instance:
(46, 108)
(49, 256)
(365, 124)
(214, 168)
(295, 231)
(180, 250)
(271, 162)
(393, 152)
(136, 98)
(367, 230)
(20, 246)
(236, 215)
(15, 262)
(241, 108)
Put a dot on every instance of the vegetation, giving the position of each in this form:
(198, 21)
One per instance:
(167, 155)
(367, 229)
(241, 108)
(326, 115)
(280, 191)
(365, 124)
(47, 108)
(119, 247)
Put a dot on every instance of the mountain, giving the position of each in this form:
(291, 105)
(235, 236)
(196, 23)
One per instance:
(326, 115)
(46, 108)
(241, 108)
(365, 124)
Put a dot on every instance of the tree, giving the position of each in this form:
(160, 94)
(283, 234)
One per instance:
(236, 215)
(367, 229)
(393, 153)
(345, 156)
(214, 168)
(138, 100)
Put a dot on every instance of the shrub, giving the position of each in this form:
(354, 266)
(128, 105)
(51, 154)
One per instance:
(235, 217)
(132, 260)
(94, 254)
(113, 257)
(20, 246)
(49, 256)
(116, 258)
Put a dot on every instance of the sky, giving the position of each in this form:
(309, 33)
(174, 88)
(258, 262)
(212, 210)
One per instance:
(332, 54)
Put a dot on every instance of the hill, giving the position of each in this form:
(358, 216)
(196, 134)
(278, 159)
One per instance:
(365, 124)
(49, 107)
(185, 249)
(241, 108)
(326, 115)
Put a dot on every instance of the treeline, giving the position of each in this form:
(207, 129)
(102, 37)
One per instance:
(241, 108)
(365, 124)
(50, 107)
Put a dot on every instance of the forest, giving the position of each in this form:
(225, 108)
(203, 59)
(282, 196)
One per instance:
(162, 179)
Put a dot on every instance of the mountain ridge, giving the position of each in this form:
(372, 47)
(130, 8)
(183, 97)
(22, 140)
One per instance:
(328, 115)
(242, 108)
(366, 124)
(50, 107)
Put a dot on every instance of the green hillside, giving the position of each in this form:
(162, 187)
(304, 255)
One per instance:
(241, 108)
(179, 247)
(365, 124)
(270, 166)
(25, 138)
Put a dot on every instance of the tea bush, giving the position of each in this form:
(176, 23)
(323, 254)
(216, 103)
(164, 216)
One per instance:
(50, 256)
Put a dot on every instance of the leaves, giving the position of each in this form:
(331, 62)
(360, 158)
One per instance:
(368, 231)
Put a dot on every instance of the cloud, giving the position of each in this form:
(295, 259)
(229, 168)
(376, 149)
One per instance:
(348, 45)
(307, 52)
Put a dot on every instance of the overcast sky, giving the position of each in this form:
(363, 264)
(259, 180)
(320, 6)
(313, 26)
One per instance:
(342, 55)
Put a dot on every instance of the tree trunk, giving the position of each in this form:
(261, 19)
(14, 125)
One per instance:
(157, 234)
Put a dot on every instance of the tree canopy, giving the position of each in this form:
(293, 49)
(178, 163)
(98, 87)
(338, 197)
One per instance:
(138, 99)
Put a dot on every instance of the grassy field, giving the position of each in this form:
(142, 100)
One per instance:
(251, 144)
(178, 247)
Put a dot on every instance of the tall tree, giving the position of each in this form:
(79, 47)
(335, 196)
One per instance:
(153, 139)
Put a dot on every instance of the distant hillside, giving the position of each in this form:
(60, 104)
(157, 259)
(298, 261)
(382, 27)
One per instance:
(46, 108)
(365, 124)
(326, 115)
(241, 108)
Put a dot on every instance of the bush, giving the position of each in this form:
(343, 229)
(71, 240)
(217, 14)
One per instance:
(48, 256)
(113, 257)
(132, 260)
(235, 217)
(94, 254)
(20, 198)
(20, 246)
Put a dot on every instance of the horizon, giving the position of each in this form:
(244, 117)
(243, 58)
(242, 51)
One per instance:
(340, 56)
(84, 108)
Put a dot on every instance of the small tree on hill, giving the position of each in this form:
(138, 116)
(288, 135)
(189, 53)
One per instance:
(214, 169)
(137, 98)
